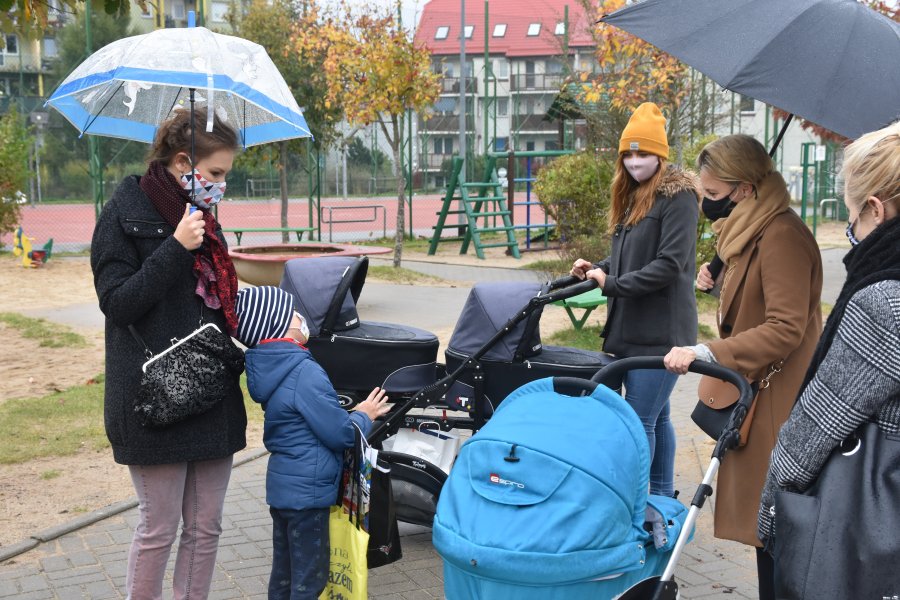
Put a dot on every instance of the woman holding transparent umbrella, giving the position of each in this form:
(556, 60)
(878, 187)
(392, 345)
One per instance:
(160, 264)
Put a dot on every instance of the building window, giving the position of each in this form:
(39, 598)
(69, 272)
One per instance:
(178, 10)
(50, 48)
(529, 146)
(500, 68)
(553, 67)
(442, 32)
(469, 29)
(560, 28)
(12, 44)
(534, 29)
(443, 145)
(502, 107)
(551, 145)
(500, 144)
(499, 29)
(446, 106)
(219, 12)
(747, 105)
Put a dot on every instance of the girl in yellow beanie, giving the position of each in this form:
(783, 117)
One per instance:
(649, 276)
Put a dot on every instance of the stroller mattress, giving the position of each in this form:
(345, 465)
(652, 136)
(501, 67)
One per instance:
(399, 358)
(502, 377)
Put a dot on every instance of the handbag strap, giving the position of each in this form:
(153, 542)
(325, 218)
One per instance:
(775, 367)
(137, 336)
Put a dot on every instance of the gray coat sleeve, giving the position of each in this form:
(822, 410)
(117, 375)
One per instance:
(678, 233)
(859, 375)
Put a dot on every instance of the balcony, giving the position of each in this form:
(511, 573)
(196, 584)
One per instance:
(536, 82)
(448, 123)
(533, 123)
(450, 85)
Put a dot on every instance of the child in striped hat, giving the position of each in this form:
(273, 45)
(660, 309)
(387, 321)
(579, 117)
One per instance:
(306, 431)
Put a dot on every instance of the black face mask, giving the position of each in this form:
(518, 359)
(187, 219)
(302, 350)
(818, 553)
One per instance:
(716, 209)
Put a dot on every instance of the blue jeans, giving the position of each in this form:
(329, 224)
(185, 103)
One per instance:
(648, 391)
(300, 553)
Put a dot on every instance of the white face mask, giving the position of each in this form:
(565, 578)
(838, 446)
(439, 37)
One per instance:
(641, 168)
(304, 328)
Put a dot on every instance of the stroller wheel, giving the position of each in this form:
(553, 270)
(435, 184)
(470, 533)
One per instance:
(348, 399)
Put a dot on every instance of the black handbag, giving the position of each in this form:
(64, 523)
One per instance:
(384, 533)
(716, 403)
(187, 378)
(841, 538)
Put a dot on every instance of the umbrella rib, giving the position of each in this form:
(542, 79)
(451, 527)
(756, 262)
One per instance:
(174, 101)
(108, 100)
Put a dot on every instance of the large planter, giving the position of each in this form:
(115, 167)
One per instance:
(264, 265)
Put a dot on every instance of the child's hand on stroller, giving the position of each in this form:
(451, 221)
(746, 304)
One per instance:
(375, 405)
(580, 268)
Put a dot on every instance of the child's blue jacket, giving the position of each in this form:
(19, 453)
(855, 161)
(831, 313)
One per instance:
(305, 429)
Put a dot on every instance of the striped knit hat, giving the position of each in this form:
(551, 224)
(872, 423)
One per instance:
(263, 312)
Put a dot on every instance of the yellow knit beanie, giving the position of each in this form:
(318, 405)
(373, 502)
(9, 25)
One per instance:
(645, 132)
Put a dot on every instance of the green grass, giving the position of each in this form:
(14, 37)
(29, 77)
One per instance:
(51, 474)
(62, 423)
(48, 335)
(418, 244)
(402, 276)
(705, 333)
(587, 338)
(558, 267)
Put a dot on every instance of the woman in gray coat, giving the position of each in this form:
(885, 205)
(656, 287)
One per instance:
(159, 266)
(649, 276)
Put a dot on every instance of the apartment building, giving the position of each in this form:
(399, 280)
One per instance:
(518, 54)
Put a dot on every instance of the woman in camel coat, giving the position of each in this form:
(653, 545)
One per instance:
(769, 318)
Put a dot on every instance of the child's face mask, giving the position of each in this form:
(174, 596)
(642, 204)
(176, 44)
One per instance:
(304, 328)
(206, 193)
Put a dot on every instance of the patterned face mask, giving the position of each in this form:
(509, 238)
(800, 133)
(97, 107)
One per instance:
(206, 193)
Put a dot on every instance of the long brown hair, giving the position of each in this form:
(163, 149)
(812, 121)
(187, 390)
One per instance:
(631, 201)
(174, 136)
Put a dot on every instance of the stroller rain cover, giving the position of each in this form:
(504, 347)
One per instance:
(550, 499)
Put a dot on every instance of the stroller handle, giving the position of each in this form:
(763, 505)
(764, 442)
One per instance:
(612, 374)
(564, 288)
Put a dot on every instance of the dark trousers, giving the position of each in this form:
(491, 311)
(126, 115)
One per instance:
(300, 554)
(765, 570)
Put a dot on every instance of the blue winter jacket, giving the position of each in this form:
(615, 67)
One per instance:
(306, 430)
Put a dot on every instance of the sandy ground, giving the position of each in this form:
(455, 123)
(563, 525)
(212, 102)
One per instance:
(89, 480)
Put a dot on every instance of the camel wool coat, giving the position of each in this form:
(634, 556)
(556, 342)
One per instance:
(769, 311)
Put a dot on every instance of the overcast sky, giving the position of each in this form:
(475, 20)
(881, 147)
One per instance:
(411, 10)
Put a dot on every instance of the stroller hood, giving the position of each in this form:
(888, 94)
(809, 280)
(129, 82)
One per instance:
(326, 290)
(487, 309)
(553, 490)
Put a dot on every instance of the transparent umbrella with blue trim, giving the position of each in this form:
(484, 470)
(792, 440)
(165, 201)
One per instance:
(127, 88)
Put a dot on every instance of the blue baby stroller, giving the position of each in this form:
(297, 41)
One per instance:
(549, 500)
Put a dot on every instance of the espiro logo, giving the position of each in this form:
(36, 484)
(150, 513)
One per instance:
(500, 481)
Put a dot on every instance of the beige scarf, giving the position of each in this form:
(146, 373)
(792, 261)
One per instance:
(751, 216)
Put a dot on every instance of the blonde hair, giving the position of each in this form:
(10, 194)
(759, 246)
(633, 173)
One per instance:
(872, 167)
(629, 196)
(737, 158)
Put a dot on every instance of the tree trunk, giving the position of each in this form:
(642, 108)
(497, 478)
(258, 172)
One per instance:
(282, 175)
(394, 141)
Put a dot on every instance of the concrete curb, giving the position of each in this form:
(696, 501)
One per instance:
(92, 517)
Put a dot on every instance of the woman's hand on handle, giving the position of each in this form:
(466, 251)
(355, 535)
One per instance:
(580, 268)
(598, 275)
(375, 405)
(189, 232)
(705, 279)
(679, 359)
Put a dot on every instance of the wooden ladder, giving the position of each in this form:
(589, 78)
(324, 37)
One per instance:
(481, 200)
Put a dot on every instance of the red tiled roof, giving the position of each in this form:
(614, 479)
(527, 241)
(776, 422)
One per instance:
(517, 15)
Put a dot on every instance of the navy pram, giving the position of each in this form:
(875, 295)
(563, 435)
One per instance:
(399, 358)
(549, 500)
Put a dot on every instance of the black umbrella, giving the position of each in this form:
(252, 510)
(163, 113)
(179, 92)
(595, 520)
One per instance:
(833, 62)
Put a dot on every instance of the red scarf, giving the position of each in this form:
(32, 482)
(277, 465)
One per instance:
(216, 285)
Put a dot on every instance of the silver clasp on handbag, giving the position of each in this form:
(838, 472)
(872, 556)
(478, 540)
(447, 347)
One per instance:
(773, 368)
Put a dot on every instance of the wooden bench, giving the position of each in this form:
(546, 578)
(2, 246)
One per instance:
(239, 231)
(587, 301)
